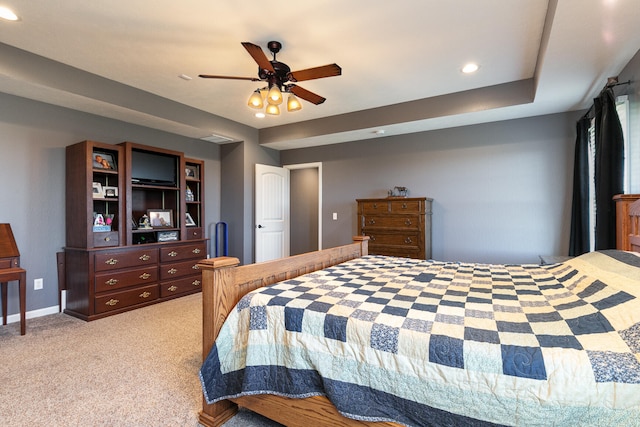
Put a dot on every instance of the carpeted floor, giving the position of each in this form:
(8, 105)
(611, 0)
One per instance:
(134, 369)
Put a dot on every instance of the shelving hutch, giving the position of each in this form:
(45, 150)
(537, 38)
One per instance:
(134, 227)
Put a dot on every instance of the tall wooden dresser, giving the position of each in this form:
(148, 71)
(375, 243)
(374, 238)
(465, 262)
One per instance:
(397, 226)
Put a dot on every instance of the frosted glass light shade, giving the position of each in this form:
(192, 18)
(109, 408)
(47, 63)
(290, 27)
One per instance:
(275, 96)
(273, 110)
(255, 100)
(293, 104)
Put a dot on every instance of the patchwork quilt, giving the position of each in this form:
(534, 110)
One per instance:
(444, 343)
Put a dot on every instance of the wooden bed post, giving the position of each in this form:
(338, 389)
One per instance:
(218, 274)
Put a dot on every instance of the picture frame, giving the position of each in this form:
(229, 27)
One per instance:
(110, 192)
(167, 236)
(102, 160)
(189, 221)
(98, 192)
(191, 172)
(160, 218)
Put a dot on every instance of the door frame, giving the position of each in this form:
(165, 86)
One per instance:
(314, 165)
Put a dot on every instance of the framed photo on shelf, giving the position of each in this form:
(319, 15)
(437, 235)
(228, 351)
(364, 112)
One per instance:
(110, 191)
(191, 172)
(167, 236)
(189, 221)
(160, 218)
(104, 161)
(97, 191)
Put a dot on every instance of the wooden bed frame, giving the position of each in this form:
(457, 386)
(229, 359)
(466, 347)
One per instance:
(224, 282)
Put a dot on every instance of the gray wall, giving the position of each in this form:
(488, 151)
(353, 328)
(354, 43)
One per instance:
(304, 210)
(33, 137)
(501, 190)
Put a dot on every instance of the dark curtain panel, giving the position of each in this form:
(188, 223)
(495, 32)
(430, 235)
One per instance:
(609, 168)
(579, 239)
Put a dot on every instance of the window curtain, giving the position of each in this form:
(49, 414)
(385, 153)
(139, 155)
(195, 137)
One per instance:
(579, 241)
(609, 170)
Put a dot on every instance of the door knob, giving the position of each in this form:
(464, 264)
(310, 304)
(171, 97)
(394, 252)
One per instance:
(260, 226)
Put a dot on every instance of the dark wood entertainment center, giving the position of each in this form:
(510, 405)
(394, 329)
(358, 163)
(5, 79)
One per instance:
(134, 227)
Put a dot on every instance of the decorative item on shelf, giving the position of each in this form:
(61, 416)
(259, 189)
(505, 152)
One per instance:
(189, 195)
(110, 192)
(160, 218)
(98, 192)
(103, 161)
(191, 172)
(99, 223)
(189, 221)
(398, 192)
(167, 236)
(143, 223)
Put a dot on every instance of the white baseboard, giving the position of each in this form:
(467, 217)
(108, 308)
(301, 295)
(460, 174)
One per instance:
(14, 318)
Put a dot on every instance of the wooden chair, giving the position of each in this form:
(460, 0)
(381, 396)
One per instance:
(10, 271)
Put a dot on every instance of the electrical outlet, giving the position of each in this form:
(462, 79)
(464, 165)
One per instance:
(38, 284)
(335, 216)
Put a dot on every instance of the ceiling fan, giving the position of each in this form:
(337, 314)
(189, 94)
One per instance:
(278, 74)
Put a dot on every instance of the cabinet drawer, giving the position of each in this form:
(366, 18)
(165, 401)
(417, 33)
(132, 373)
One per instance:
(112, 260)
(194, 233)
(180, 286)
(400, 239)
(408, 252)
(408, 221)
(179, 269)
(177, 253)
(106, 239)
(122, 279)
(373, 207)
(118, 300)
(403, 206)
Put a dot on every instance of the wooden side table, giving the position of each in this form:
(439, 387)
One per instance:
(11, 275)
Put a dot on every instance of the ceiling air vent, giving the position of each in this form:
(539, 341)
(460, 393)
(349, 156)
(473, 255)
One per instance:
(217, 139)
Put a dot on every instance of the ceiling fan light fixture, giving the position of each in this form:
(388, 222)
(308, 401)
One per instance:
(8, 14)
(255, 100)
(293, 104)
(272, 110)
(275, 96)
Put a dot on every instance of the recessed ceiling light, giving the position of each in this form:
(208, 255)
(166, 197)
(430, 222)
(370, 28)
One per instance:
(470, 68)
(260, 115)
(6, 13)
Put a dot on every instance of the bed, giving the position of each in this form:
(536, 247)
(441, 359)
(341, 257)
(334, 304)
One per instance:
(409, 342)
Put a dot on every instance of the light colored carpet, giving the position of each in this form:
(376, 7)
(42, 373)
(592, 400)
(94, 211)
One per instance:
(138, 368)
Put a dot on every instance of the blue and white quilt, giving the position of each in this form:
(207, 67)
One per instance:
(436, 343)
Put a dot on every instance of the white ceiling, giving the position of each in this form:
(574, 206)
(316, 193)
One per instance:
(536, 57)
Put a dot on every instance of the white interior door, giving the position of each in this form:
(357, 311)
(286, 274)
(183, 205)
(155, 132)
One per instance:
(272, 213)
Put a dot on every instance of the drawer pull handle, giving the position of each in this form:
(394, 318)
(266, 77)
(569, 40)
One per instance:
(145, 276)
(196, 283)
(172, 288)
(111, 282)
(145, 294)
(408, 240)
(196, 251)
(195, 267)
(111, 261)
(173, 253)
(372, 221)
(172, 271)
(404, 206)
(375, 206)
(144, 257)
(372, 238)
(112, 302)
(407, 222)
(106, 239)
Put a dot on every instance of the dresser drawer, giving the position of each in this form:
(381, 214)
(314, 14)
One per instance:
(404, 206)
(105, 239)
(373, 207)
(396, 239)
(408, 221)
(118, 300)
(408, 252)
(112, 260)
(180, 252)
(180, 286)
(179, 269)
(194, 233)
(123, 279)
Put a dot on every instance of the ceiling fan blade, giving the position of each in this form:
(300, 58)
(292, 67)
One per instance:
(211, 76)
(258, 55)
(306, 95)
(315, 73)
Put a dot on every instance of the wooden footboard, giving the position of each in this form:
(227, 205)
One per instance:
(634, 226)
(224, 282)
